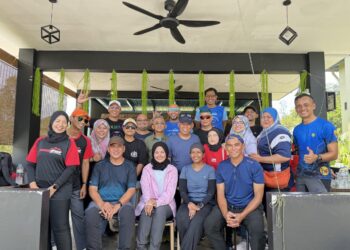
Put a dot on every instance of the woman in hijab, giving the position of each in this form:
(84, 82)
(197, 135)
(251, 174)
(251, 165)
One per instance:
(214, 152)
(157, 203)
(274, 147)
(197, 188)
(50, 164)
(240, 126)
(99, 139)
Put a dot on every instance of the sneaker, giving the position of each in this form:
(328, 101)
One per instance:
(113, 225)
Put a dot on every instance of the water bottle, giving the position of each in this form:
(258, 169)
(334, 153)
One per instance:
(20, 175)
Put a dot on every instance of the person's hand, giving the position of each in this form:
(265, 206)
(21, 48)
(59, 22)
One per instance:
(229, 219)
(83, 191)
(97, 157)
(311, 157)
(156, 114)
(83, 97)
(33, 185)
(192, 206)
(52, 190)
(114, 210)
(256, 157)
(150, 204)
(192, 213)
(237, 219)
(105, 209)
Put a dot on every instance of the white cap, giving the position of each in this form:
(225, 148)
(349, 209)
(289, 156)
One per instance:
(129, 120)
(114, 102)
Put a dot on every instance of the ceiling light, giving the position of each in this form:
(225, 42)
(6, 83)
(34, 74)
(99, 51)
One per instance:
(288, 34)
(50, 33)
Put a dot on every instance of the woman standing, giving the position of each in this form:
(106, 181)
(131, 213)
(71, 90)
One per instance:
(51, 163)
(157, 203)
(274, 147)
(240, 126)
(197, 189)
(214, 152)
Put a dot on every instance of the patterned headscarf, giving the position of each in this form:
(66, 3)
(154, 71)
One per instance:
(98, 145)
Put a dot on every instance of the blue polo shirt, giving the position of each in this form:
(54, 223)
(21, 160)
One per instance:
(219, 114)
(239, 180)
(315, 135)
(172, 128)
(112, 180)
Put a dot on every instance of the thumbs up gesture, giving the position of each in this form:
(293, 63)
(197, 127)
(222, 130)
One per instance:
(311, 157)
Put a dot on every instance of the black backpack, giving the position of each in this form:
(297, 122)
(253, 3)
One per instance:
(7, 169)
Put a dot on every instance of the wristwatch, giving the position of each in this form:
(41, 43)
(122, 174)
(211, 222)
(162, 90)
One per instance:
(121, 204)
(200, 205)
(55, 186)
(319, 158)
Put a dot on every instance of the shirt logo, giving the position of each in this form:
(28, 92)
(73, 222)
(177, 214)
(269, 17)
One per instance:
(213, 160)
(324, 170)
(134, 154)
(313, 135)
(55, 150)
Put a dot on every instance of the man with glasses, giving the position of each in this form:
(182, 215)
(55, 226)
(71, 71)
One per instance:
(79, 119)
(179, 145)
(135, 149)
(158, 126)
(172, 127)
(206, 124)
(316, 145)
(219, 113)
(142, 130)
(240, 189)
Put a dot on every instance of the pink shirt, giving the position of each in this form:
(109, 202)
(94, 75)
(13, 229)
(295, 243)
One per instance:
(150, 189)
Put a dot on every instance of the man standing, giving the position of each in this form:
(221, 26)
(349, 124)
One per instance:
(135, 149)
(172, 127)
(112, 185)
(316, 144)
(206, 124)
(142, 130)
(79, 119)
(240, 189)
(252, 115)
(219, 113)
(179, 145)
(158, 127)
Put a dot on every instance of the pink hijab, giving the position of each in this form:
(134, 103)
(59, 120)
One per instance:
(98, 145)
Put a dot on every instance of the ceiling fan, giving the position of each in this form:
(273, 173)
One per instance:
(176, 89)
(170, 21)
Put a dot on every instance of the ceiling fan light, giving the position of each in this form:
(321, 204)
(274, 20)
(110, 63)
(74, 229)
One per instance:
(288, 35)
(50, 34)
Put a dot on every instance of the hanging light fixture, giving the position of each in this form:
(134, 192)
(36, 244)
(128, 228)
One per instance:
(50, 33)
(288, 34)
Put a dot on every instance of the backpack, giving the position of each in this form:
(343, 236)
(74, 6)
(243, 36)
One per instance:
(7, 169)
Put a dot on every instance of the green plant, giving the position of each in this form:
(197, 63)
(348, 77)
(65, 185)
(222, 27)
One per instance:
(343, 147)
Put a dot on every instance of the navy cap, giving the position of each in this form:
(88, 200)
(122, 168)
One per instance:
(231, 136)
(185, 118)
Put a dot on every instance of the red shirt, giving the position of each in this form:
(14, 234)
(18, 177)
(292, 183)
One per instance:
(214, 158)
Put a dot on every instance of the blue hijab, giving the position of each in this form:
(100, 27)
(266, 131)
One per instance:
(276, 123)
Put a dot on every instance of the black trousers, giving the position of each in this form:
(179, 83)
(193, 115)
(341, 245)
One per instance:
(59, 224)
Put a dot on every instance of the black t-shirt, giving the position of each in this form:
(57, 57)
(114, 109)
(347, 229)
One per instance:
(136, 152)
(256, 130)
(81, 145)
(203, 135)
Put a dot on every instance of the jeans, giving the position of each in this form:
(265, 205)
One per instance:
(95, 225)
(78, 220)
(191, 230)
(254, 222)
(152, 227)
(310, 184)
(59, 224)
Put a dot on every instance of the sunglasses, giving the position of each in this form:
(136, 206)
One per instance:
(130, 127)
(80, 119)
(205, 117)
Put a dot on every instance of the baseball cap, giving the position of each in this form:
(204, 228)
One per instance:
(231, 136)
(116, 140)
(78, 112)
(204, 109)
(114, 102)
(129, 120)
(249, 107)
(185, 118)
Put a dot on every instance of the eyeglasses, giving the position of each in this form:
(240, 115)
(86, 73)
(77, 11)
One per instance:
(80, 119)
(205, 117)
(114, 107)
(238, 123)
(130, 127)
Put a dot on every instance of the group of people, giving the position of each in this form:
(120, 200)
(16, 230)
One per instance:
(183, 169)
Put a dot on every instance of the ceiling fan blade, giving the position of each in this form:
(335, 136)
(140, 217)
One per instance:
(157, 88)
(177, 88)
(194, 23)
(177, 35)
(146, 12)
(157, 26)
(179, 7)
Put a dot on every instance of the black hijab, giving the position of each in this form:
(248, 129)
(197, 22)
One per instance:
(160, 165)
(217, 146)
(54, 137)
